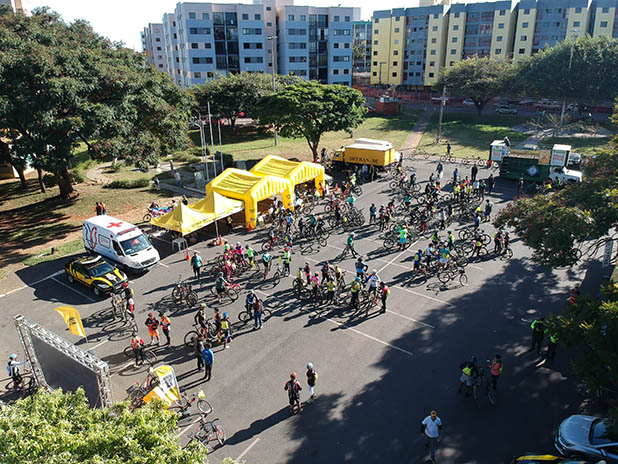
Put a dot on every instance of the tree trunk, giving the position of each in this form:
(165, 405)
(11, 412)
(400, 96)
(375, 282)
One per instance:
(233, 124)
(22, 177)
(64, 182)
(314, 148)
(39, 173)
(480, 106)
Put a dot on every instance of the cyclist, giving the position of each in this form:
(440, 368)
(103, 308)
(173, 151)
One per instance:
(477, 220)
(434, 238)
(286, 257)
(429, 254)
(354, 290)
(505, 241)
(403, 236)
(351, 200)
(250, 300)
(250, 255)
(299, 276)
(127, 291)
(325, 271)
(445, 255)
(239, 250)
(319, 229)
(226, 329)
(315, 285)
(418, 257)
(488, 207)
(200, 318)
(330, 287)
(12, 367)
(289, 219)
(293, 388)
(226, 247)
(469, 370)
(373, 280)
(220, 284)
(412, 180)
(353, 179)
(307, 271)
(451, 240)
(372, 213)
(130, 308)
(301, 226)
(442, 219)
(153, 328)
(496, 369)
(339, 275)
(350, 245)
(313, 222)
(384, 292)
(138, 348)
(266, 261)
(361, 267)
(498, 241)
(478, 244)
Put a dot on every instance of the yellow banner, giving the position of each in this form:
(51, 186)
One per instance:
(72, 320)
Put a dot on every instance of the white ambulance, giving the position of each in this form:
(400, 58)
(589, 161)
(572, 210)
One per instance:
(121, 242)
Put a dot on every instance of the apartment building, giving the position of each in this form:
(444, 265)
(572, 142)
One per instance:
(14, 5)
(361, 43)
(544, 23)
(603, 18)
(481, 29)
(153, 43)
(171, 47)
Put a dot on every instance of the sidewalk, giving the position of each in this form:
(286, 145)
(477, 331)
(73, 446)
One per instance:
(415, 135)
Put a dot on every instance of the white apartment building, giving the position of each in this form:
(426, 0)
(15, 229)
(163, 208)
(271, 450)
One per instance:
(153, 43)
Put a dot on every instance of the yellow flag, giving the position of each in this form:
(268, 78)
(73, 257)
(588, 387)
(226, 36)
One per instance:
(72, 320)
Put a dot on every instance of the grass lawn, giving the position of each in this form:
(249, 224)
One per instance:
(254, 144)
(469, 134)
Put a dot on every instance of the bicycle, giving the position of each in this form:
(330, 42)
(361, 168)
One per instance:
(210, 332)
(149, 356)
(118, 305)
(448, 158)
(183, 292)
(25, 383)
(186, 401)
(231, 291)
(451, 272)
(208, 431)
(477, 382)
(246, 314)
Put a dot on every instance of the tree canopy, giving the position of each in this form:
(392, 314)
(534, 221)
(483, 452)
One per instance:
(61, 84)
(479, 79)
(309, 109)
(61, 428)
(593, 75)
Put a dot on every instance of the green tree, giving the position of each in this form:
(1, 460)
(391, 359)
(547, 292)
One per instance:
(479, 79)
(63, 84)
(593, 75)
(61, 428)
(309, 109)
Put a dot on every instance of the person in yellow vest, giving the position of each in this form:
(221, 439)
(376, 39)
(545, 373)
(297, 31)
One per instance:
(226, 330)
(469, 370)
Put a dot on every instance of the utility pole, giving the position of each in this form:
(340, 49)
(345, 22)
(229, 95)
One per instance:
(273, 53)
(572, 31)
(442, 103)
(212, 142)
(203, 142)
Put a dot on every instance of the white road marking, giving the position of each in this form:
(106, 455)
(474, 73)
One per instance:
(242, 455)
(99, 344)
(410, 319)
(74, 290)
(395, 258)
(187, 427)
(161, 263)
(130, 363)
(57, 273)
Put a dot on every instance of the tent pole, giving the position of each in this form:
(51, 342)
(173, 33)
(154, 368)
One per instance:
(216, 228)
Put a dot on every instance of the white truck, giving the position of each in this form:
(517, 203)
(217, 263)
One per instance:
(121, 242)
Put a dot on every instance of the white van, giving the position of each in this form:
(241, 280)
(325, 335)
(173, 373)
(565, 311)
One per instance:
(121, 242)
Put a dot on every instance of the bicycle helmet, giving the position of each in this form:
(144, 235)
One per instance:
(150, 314)
(13, 356)
(315, 273)
(357, 279)
(309, 366)
(373, 271)
(202, 306)
(220, 274)
(293, 375)
(224, 314)
(125, 285)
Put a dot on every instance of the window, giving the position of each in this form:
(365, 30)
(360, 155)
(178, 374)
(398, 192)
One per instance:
(191, 15)
(432, 63)
(290, 17)
(394, 74)
(576, 23)
(346, 45)
(395, 63)
(376, 32)
(497, 51)
(346, 71)
(526, 11)
(298, 59)
(197, 75)
(396, 30)
(434, 28)
(347, 19)
(500, 25)
(251, 31)
(254, 59)
(202, 60)
(210, 74)
(605, 9)
(454, 40)
(303, 17)
(159, 49)
(433, 40)
(335, 71)
(455, 27)
(375, 63)
(268, 8)
(523, 38)
(375, 53)
(207, 45)
(297, 45)
(436, 15)
(502, 12)
(297, 31)
(375, 42)
(524, 25)
(499, 38)
(258, 17)
(157, 39)
(377, 20)
(269, 24)
(453, 51)
(339, 59)
(374, 73)
(204, 15)
(457, 15)
(199, 30)
(252, 45)
(603, 24)
(245, 16)
(522, 51)
(430, 74)
(397, 18)
(396, 42)
(194, 45)
(395, 52)
(336, 19)
(432, 52)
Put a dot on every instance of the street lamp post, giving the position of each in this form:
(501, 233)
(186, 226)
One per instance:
(273, 53)
(572, 31)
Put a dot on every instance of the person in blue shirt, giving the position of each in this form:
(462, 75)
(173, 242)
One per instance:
(361, 267)
(372, 213)
(209, 358)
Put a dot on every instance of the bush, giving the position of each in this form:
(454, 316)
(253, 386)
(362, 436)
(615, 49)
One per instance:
(129, 184)
(79, 176)
(49, 180)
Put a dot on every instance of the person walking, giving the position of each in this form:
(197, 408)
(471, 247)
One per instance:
(293, 388)
(455, 175)
(312, 377)
(430, 431)
(474, 172)
(384, 292)
(440, 168)
(496, 371)
(165, 327)
(153, 328)
(491, 182)
(538, 333)
(196, 264)
(198, 347)
(208, 359)
(12, 367)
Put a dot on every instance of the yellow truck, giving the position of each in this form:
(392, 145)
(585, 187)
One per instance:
(371, 152)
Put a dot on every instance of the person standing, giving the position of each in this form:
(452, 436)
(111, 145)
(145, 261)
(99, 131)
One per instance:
(496, 371)
(551, 346)
(384, 292)
(98, 209)
(474, 172)
(196, 264)
(198, 347)
(184, 200)
(455, 175)
(488, 207)
(229, 224)
(293, 388)
(226, 330)
(312, 377)
(208, 358)
(138, 348)
(153, 328)
(258, 312)
(372, 213)
(165, 327)
(430, 431)
(103, 208)
(520, 187)
(491, 182)
(538, 333)
(12, 368)
(440, 168)
(178, 179)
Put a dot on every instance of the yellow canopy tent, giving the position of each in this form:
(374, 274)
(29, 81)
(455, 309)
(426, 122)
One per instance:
(217, 205)
(246, 186)
(297, 172)
(183, 219)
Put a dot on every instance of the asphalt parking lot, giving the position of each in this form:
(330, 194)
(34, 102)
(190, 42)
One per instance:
(379, 374)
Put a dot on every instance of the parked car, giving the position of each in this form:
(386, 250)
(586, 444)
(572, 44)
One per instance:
(96, 273)
(527, 101)
(539, 458)
(506, 110)
(468, 102)
(580, 435)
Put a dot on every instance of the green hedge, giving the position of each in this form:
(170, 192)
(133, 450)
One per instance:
(129, 184)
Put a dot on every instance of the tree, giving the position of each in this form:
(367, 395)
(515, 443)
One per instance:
(61, 428)
(309, 109)
(479, 79)
(234, 94)
(63, 84)
(593, 75)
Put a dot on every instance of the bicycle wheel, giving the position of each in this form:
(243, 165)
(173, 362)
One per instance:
(477, 396)
(483, 251)
(177, 294)
(128, 352)
(393, 185)
(204, 406)
(322, 241)
(276, 278)
(189, 337)
(147, 217)
(389, 243)
(220, 434)
(191, 299)
(357, 190)
(151, 358)
(491, 395)
(444, 276)
(463, 280)
(508, 253)
(443, 158)
(244, 316)
(266, 314)
(233, 292)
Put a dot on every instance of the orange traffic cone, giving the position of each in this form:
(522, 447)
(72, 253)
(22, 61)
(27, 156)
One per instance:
(187, 258)
(219, 240)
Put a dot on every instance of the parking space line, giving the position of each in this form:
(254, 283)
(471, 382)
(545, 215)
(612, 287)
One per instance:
(396, 258)
(411, 319)
(57, 273)
(99, 344)
(242, 455)
(161, 263)
(421, 295)
(74, 290)
(187, 427)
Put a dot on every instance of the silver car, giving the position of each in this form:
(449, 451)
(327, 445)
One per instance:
(586, 436)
